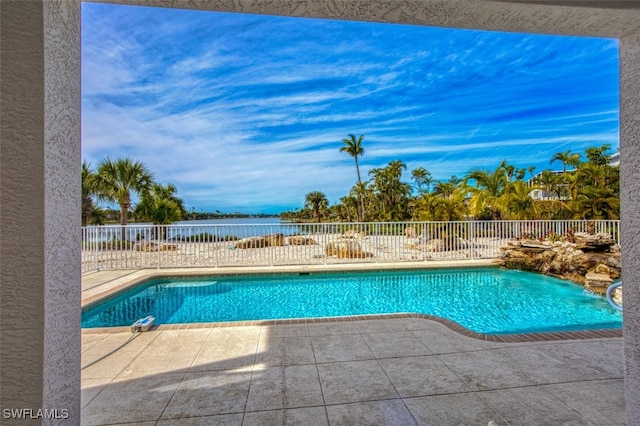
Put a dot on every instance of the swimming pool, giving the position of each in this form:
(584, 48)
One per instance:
(485, 300)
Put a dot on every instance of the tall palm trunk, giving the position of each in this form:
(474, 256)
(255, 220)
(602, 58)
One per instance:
(361, 208)
(86, 211)
(353, 147)
(357, 169)
(124, 215)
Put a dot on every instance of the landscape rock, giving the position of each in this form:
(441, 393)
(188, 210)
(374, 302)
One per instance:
(299, 240)
(593, 242)
(346, 250)
(598, 283)
(251, 242)
(155, 246)
(446, 244)
(275, 240)
(602, 269)
(592, 260)
(352, 233)
(272, 240)
(410, 232)
(435, 244)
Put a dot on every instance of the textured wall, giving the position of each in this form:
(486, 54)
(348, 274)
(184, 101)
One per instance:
(21, 204)
(630, 180)
(39, 206)
(490, 15)
(62, 207)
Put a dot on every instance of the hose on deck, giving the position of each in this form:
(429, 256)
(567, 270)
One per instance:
(610, 290)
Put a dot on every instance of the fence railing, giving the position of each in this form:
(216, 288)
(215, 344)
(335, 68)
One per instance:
(217, 245)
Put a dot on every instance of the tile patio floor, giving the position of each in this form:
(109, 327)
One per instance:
(402, 371)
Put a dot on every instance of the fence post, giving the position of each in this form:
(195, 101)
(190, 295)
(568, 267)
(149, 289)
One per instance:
(215, 240)
(376, 245)
(423, 239)
(472, 233)
(271, 247)
(96, 249)
(324, 238)
(375, 232)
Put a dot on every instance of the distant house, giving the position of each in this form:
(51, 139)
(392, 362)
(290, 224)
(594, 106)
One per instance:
(541, 194)
(614, 161)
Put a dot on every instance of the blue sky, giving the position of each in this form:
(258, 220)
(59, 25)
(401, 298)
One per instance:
(246, 112)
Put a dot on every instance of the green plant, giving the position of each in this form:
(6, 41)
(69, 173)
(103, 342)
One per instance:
(553, 237)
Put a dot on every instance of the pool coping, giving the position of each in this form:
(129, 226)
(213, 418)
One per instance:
(498, 338)
(97, 293)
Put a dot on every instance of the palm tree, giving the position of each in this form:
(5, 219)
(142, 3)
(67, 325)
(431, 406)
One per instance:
(572, 182)
(597, 203)
(489, 187)
(362, 193)
(566, 158)
(453, 207)
(597, 191)
(88, 191)
(97, 216)
(161, 206)
(446, 205)
(591, 174)
(117, 179)
(518, 203)
(353, 147)
(510, 170)
(395, 169)
(445, 189)
(167, 192)
(598, 155)
(317, 201)
(422, 176)
(392, 194)
(349, 205)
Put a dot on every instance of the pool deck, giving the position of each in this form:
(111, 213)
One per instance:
(398, 370)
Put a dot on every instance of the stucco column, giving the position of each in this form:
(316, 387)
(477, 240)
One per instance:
(630, 209)
(21, 205)
(62, 239)
(39, 210)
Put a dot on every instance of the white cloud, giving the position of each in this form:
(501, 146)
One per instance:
(237, 118)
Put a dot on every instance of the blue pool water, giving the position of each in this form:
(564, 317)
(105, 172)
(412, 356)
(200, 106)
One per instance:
(484, 300)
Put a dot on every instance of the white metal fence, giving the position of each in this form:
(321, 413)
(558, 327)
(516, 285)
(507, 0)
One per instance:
(216, 245)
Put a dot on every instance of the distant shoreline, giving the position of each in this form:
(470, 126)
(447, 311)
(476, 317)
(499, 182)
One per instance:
(205, 216)
(215, 216)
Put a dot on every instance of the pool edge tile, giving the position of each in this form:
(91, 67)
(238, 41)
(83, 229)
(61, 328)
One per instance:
(455, 327)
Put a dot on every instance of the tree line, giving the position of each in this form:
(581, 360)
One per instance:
(589, 190)
(117, 180)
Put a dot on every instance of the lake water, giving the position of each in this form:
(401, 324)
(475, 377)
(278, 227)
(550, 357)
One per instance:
(239, 227)
(236, 227)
